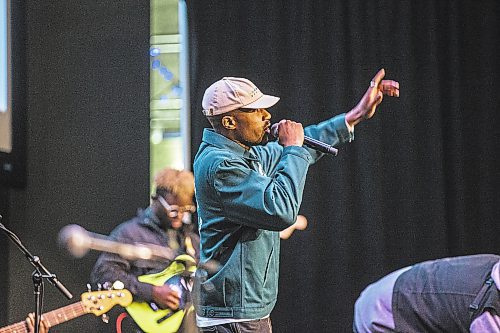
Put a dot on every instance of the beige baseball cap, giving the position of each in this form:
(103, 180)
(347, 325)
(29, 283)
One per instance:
(232, 93)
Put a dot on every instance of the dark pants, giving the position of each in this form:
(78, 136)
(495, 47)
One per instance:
(252, 326)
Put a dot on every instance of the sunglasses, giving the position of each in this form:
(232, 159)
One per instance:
(174, 210)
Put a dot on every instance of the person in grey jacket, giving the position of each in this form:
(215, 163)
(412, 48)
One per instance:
(248, 190)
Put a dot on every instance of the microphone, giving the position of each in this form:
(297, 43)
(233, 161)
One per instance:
(309, 142)
(79, 241)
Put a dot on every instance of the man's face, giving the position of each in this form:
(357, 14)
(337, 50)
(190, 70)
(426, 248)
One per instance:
(175, 210)
(251, 126)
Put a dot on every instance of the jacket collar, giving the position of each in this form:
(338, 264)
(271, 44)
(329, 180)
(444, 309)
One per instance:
(220, 141)
(149, 218)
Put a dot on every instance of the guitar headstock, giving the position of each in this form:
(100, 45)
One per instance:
(100, 302)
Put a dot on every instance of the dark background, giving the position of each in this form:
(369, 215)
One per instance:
(419, 182)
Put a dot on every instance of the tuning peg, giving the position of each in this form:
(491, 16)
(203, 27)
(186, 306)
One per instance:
(107, 285)
(118, 285)
(89, 287)
(105, 318)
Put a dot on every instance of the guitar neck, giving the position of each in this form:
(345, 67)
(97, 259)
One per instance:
(52, 318)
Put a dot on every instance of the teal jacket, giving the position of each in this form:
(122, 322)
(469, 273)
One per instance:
(244, 199)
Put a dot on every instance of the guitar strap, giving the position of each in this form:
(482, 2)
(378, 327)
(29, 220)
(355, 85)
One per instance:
(189, 246)
(173, 242)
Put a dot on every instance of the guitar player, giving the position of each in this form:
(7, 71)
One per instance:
(165, 223)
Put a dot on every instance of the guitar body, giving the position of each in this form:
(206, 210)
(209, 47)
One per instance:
(152, 319)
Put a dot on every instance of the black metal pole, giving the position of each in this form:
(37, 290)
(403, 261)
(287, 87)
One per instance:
(38, 275)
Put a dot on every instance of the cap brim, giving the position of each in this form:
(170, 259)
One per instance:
(266, 101)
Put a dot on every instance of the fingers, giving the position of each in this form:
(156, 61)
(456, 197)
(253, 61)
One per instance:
(389, 87)
(173, 303)
(166, 296)
(380, 97)
(173, 298)
(30, 323)
(43, 326)
(377, 78)
(285, 124)
(301, 222)
(290, 133)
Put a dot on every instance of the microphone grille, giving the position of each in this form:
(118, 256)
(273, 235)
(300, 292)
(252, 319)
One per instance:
(75, 239)
(274, 130)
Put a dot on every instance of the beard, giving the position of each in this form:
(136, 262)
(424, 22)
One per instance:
(265, 139)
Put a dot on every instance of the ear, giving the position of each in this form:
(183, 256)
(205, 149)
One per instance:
(228, 122)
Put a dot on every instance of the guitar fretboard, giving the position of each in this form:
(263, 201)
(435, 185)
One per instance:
(52, 318)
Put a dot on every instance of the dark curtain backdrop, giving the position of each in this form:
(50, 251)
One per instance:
(87, 105)
(421, 179)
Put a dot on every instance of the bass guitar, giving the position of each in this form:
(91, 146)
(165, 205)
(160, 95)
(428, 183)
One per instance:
(96, 302)
(149, 316)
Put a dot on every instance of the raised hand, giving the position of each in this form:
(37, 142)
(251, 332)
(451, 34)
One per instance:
(372, 98)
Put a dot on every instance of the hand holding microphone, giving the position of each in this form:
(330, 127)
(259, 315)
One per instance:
(290, 133)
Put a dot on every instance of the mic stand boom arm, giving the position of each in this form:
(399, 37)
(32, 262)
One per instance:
(38, 275)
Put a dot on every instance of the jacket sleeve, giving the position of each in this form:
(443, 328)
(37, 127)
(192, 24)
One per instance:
(252, 197)
(332, 131)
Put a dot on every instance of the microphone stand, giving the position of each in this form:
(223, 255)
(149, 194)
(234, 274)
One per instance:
(38, 275)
